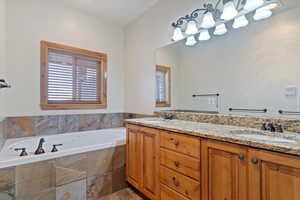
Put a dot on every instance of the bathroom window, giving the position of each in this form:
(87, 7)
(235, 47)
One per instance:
(163, 86)
(72, 78)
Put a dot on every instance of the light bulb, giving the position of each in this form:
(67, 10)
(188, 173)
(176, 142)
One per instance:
(240, 22)
(204, 35)
(177, 34)
(191, 28)
(190, 41)
(208, 21)
(272, 6)
(229, 11)
(253, 4)
(262, 13)
(220, 30)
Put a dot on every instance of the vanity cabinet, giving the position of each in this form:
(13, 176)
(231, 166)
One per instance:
(224, 171)
(273, 176)
(143, 160)
(179, 166)
(169, 166)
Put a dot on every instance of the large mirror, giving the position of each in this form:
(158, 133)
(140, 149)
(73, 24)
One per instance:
(256, 67)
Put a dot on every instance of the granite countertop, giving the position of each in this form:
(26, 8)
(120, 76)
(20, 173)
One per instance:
(287, 142)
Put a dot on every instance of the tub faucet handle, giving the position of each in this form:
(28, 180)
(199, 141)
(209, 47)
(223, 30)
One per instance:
(54, 149)
(40, 149)
(23, 151)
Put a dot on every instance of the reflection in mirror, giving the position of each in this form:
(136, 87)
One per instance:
(250, 70)
(184, 95)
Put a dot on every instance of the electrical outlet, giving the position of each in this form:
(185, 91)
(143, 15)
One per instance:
(290, 91)
(209, 101)
(213, 101)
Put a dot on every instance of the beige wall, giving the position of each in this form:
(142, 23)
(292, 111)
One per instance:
(2, 66)
(29, 22)
(143, 37)
(2, 54)
(267, 49)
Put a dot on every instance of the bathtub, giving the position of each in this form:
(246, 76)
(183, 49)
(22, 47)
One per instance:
(73, 143)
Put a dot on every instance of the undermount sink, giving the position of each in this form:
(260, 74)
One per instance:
(157, 120)
(261, 136)
(267, 137)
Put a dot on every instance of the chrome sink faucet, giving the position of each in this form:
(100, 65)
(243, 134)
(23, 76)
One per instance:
(40, 149)
(272, 127)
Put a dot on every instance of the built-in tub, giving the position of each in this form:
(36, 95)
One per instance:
(73, 143)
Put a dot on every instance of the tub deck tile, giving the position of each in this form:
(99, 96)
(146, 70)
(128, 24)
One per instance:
(99, 186)
(66, 176)
(72, 191)
(125, 194)
(100, 162)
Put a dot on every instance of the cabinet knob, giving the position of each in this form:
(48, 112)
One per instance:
(254, 161)
(175, 182)
(176, 163)
(241, 157)
(176, 143)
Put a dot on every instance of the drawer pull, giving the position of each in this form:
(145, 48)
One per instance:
(254, 161)
(176, 163)
(241, 157)
(175, 182)
(175, 142)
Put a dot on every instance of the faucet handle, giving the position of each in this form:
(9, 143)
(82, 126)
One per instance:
(279, 128)
(54, 149)
(23, 153)
(270, 127)
(264, 127)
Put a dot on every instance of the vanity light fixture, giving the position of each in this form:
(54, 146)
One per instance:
(253, 4)
(216, 16)
(229, 11)
(191, 28)
(208, 20)
(240, 22)
(177, 35)
(262, 13)
(204, 35)
(191, 41)
(220, 29)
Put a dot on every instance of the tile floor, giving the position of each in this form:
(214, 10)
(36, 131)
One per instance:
(125, 194)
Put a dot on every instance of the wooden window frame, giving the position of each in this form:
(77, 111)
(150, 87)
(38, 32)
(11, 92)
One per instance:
(45, 45)
(168, 71)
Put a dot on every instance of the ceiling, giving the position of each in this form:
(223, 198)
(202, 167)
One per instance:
(120, 12)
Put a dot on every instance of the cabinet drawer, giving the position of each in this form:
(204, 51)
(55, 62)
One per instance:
(184, 164)
(180, 143)
(180, 183)
(169, 194)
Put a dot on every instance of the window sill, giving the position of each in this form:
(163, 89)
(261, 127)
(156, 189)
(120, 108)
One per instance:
(162, 105)
(72, 106)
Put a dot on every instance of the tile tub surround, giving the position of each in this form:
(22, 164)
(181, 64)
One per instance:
(224, 133)
(292, 125)
(17, 127)
(87, 176)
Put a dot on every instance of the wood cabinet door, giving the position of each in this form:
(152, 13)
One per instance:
(133, 157)
(150, 163)
(273, 176)
(224, 171)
